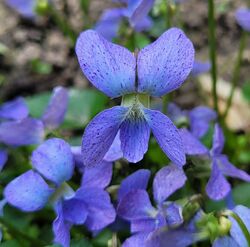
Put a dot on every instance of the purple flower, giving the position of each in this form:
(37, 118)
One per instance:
(53, 161)
(200, 68)
(218, 187)
(160, 68)
(136, 12)
(24, 7)
(135, 206)
(242, 16)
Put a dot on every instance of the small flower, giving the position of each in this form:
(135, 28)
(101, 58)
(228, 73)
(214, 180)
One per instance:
(135, 206)
(160, 68)
(242, 16)
(218, 187)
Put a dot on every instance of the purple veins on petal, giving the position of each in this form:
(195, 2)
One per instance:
(165, 64)
(28, 192)
(136, 181)
(3, 158)
(167, 180)
(134, 135)
(100, 134)
(54, 160)
(14, 110)
(200, 67)
(24, 7)
(109, 67)
(167, 136)
(56, 109)
(28, 131)
(242, 16)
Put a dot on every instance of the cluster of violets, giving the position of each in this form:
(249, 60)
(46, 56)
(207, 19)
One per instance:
(123, 132)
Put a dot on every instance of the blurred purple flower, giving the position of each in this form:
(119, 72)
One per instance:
(200, 68)
(136, 12)
(135, 206)
(218, 187)
(242, 16)
(24, 7)
(161, 68)
(89, 205)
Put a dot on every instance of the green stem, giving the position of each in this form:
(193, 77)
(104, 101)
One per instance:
(212, 50)
(236, 72)
(168, 14)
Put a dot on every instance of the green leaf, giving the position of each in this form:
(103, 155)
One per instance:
(41, 67)
(10, 243)
(241, 194)
(141, 40)
(246, 91)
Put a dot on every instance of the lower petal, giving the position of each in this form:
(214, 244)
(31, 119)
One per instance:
(136, 240)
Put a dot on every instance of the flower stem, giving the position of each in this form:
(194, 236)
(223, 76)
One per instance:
(212, 50)
(236, 72)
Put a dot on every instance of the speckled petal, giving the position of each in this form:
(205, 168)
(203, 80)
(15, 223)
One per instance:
(165, 64)
(14, 110)
(28, 131)
(100, 134)
(28, 192)
(242, 16)
(167, 180)
(109, 67)
(167, 136)
(54, 160)
(57, 107)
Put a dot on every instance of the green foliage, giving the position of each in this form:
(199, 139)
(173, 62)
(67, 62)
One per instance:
(241, 194)
(40, 67)
(246, 91)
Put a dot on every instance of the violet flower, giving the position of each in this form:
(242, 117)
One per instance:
(89, 205)
(158, 69)
(242, 16)
(200, 68)
(136, 12)
(135, 206)
(26, 8)
(218, 187)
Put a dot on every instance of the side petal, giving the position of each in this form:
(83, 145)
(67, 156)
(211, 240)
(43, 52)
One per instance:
(109, 67)
(56, 109)
(61, 228)
(200, 118)
(167, 180)
(136, 240)
(165, 64)
(28, 192)
(98, 176)
(28, 131)
(217, 187)
(167, 136)
(218, 140)
(100, 134)
(3, 158)
(54, 160)
(228, 169)
(134, 135)
(242, 16)
(14, 110)
(136, 205)
(192, 145)
(100, 209)
(136, 181)
(115, 151)
(200, 67)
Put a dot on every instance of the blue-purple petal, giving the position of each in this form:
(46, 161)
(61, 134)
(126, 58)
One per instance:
(136, 181)
(167, 136)
(56, 109)
(174, 215)
(54, 160)
(28, 131)
(100, 134)
(14, 110)
(165, 64)
(144, 24)
(175, 113)
(109, 67)
(24, 7)
(242, 16)
(200, 67)
(3, 158)
(166, 181)
(218, 140)
(115, 150)
(28, 192)
(136, 240)
(225, 241)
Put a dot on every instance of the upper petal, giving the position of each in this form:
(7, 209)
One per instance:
(54, 160)
(167, 180)
(144, 24)
(200, 118)
(100, 134)
(28, 131)
(3, 158)
(109, 67)
(134, 135)
(242, 16)
(217, 187)
(218, 140)
(167, 136)
(165, 64)
(56, 109)
(28, 192)
(135, 181)
(14, 110)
